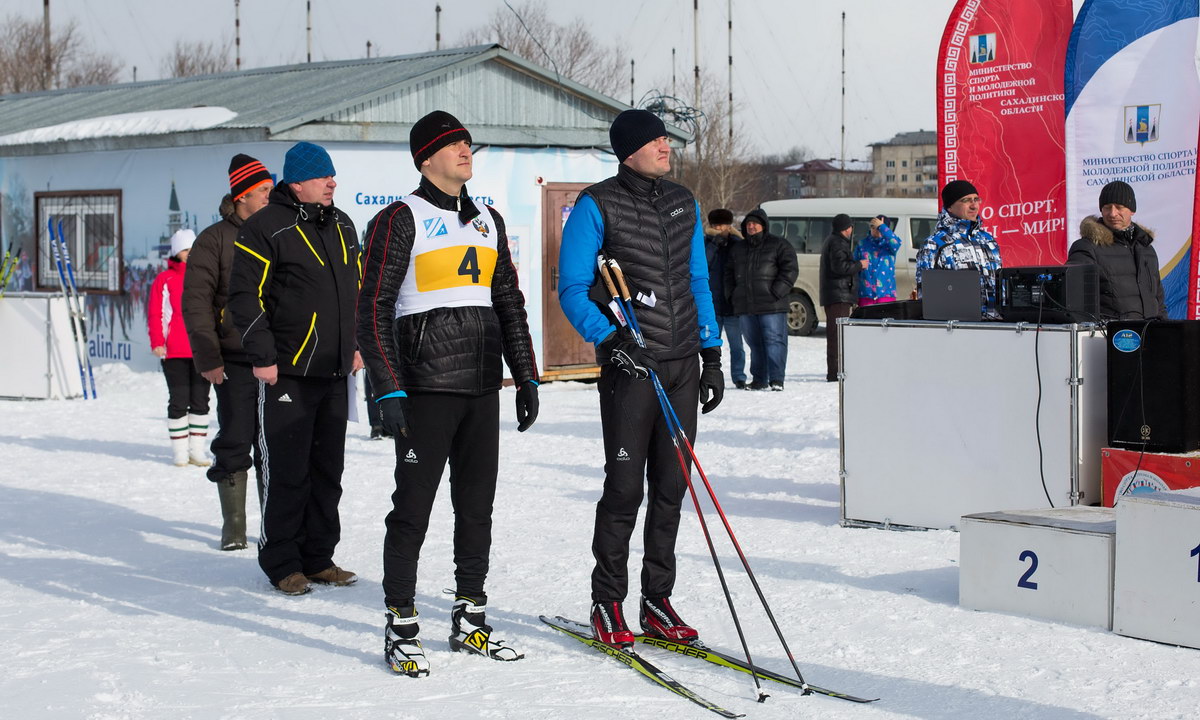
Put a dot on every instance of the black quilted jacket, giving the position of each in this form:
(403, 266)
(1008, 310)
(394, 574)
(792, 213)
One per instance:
(446, 349)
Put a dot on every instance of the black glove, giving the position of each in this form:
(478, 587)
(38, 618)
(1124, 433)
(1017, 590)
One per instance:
(628, 356)
(391, 411)
(527, 405)
(712, 380)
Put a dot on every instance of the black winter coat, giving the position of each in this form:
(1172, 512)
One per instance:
(294, 287)
(446, 349)
(760, 271)
(210, 329)
(839, 271)
(1130, 283)
(716, 251)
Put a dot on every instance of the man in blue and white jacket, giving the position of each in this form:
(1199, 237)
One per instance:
(653, 229)
(959, 242)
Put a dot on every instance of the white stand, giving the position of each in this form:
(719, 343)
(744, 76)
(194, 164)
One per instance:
(1049, 564)
(39, 360)
(1157, 590)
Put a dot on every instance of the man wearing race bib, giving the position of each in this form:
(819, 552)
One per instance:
(439, 308)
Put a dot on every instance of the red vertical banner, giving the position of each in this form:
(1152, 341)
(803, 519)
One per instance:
(1001, 120)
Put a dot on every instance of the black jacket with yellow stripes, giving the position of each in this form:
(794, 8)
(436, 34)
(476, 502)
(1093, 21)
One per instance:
(446, 349)
(295, 280)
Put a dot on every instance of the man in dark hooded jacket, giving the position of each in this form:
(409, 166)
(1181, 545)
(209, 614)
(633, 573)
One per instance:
(719, 237)
(1130, 284)
(759, 276)
(839, 285)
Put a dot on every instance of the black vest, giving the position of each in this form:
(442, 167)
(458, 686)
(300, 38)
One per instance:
(648, 229)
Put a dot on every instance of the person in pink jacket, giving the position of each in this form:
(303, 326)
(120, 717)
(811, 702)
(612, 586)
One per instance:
(187, 403)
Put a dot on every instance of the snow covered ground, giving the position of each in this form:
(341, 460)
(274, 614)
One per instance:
(114, 602)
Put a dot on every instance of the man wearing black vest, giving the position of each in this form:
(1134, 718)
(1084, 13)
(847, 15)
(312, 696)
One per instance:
(653, 229)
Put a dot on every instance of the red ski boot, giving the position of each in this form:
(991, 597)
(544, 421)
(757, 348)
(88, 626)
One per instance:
(608, 624)
(659, 619)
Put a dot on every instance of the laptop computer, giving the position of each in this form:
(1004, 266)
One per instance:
(951, 295)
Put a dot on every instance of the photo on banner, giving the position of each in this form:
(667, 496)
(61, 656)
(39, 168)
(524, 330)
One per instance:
(1132, 102)
(1000, 110)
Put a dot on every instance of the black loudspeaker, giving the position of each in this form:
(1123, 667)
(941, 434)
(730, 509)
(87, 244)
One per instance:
(1154, 385)
(899, 310)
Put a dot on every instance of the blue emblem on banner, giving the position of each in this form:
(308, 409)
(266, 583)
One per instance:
(1127, 341)
(983, 48)
(1141, 123)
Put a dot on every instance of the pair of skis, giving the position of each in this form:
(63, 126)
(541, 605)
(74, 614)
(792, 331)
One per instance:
(636, 661)
(66, 281)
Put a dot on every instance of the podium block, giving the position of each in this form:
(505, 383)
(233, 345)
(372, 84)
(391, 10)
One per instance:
(1156, 595)
(1053, 564)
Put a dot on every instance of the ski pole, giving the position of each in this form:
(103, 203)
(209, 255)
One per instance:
(87, 356)
(675, 431)
(62, 282)
(667, 408)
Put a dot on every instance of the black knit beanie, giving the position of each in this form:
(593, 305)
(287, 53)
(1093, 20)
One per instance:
(632, 129)
(720, 216)
(841, 221)
(434, 132)
(1119, 193)
(956, 190)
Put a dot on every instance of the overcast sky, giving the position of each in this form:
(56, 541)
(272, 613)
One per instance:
(786, 53)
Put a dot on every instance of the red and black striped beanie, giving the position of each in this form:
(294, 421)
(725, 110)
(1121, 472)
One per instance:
(434, 132)
(245, 174)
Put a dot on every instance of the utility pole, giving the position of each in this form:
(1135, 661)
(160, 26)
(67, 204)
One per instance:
(368, 49)
(631, 83)
(437, 27)
(842, 175)
(308, 14)
(46, 44)
(696, 47)
(673, 91)
(237, 34)
(729, 10)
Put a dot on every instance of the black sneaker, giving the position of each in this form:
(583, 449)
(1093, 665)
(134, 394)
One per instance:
(756, 386)
(739, 384)
(471, 633)
(777, 386)
(401, 643)
(659, 619)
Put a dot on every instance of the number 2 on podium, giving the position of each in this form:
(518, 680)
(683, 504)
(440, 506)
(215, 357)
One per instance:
(1025, 582)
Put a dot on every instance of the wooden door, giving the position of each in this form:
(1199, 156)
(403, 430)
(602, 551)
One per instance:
(565, 354)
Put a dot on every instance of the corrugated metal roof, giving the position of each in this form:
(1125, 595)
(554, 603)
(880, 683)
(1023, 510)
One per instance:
(495, 93)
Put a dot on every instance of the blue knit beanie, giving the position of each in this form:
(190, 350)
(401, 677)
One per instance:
(306, 161)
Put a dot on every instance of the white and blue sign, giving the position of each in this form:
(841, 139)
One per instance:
(1127, 341)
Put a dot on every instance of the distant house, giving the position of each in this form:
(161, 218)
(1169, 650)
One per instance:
(906, 165)
(122, 166)
(825, 178)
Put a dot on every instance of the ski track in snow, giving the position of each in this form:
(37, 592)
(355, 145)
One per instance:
(114, 602)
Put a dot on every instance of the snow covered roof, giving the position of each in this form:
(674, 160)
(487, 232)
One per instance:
(830, 165)
(374, 99)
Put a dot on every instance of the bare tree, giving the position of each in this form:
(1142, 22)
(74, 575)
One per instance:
(72, 63)
(197, 58)
(569, 49)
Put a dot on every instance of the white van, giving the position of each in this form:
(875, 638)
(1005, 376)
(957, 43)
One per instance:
(807, 222)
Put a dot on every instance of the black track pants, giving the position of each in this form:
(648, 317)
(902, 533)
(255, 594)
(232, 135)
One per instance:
(302, 437)
(463, 430)
(637, 448)
(187, 390)
(237, 421)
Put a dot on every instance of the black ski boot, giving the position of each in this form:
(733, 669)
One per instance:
(401, 645)
(472, 634)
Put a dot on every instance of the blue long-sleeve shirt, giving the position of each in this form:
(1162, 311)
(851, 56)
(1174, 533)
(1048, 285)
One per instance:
(582, 239)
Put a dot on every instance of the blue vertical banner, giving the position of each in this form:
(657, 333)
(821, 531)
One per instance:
(1132, 97)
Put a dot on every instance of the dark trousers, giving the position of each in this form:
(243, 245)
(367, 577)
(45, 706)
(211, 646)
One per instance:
(463, 430)
(832, 313)
(237, 421)
(637, 449)
(187, 390)
(302, 437)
